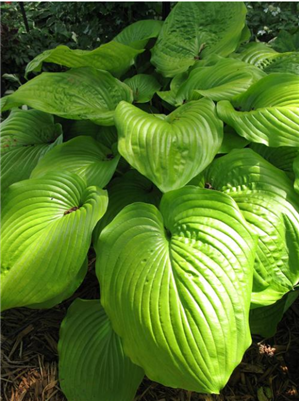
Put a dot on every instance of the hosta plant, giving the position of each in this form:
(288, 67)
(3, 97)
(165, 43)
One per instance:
(173, 152)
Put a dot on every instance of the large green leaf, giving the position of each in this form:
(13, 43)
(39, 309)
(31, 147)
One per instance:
(195, 28)
(169, 150)
(139, 33)
(67, 293)
(122, 191)
(92, 363)
(83, 156)
(269, 111)
(264, 57)
(113, 57)
(266, 197)
(80, 94)
(259, 54)
(143, 86)
(264, 321)
(46, 232)
(221, 81)
(25, 137)
(183, 279)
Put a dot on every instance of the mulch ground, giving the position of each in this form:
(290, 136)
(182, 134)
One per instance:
(269, 370)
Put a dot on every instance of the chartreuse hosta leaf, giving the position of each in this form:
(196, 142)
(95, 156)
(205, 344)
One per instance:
(221, 81)
(263, 56)
(259, 54)
(113, 57)
(144, 87)
(282, 157)
(79, 94)
(269, 111)
(193, 28)
(92, 363)
(26, 135)
(169, 150)
(83, 156)
(266, 197)
(139, 33)
(264, 321)
(183, 277)
(67, 293)
(122, 191)
(46, 232)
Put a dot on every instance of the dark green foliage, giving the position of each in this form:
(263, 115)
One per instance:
(267, 19)
(75, 24)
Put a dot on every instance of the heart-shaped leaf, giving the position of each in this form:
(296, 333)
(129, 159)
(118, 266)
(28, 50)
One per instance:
(169, 150)
(83, 156)
(269, 111)
(46, 232)
(143, 86)
(92, 363)
(139, 33)
(113, 57)
(266, 197)
(192, 28)
(80, 94)
(182, 276)
(26, 135)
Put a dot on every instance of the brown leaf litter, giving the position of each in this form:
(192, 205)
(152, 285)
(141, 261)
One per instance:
(269, 370)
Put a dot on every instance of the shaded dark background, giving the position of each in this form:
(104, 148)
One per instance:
(41, 26)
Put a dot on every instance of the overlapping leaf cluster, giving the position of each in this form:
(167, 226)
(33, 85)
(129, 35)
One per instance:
(174, 149)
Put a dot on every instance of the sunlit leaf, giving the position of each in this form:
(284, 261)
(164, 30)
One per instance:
(26, 136)
(113, 57)
(221, 81)
(80, 94)
(169, 150)
(182, 277)
(83, 156)
(267, 113)
(46, 232)
(266, 198)
(195, 29)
